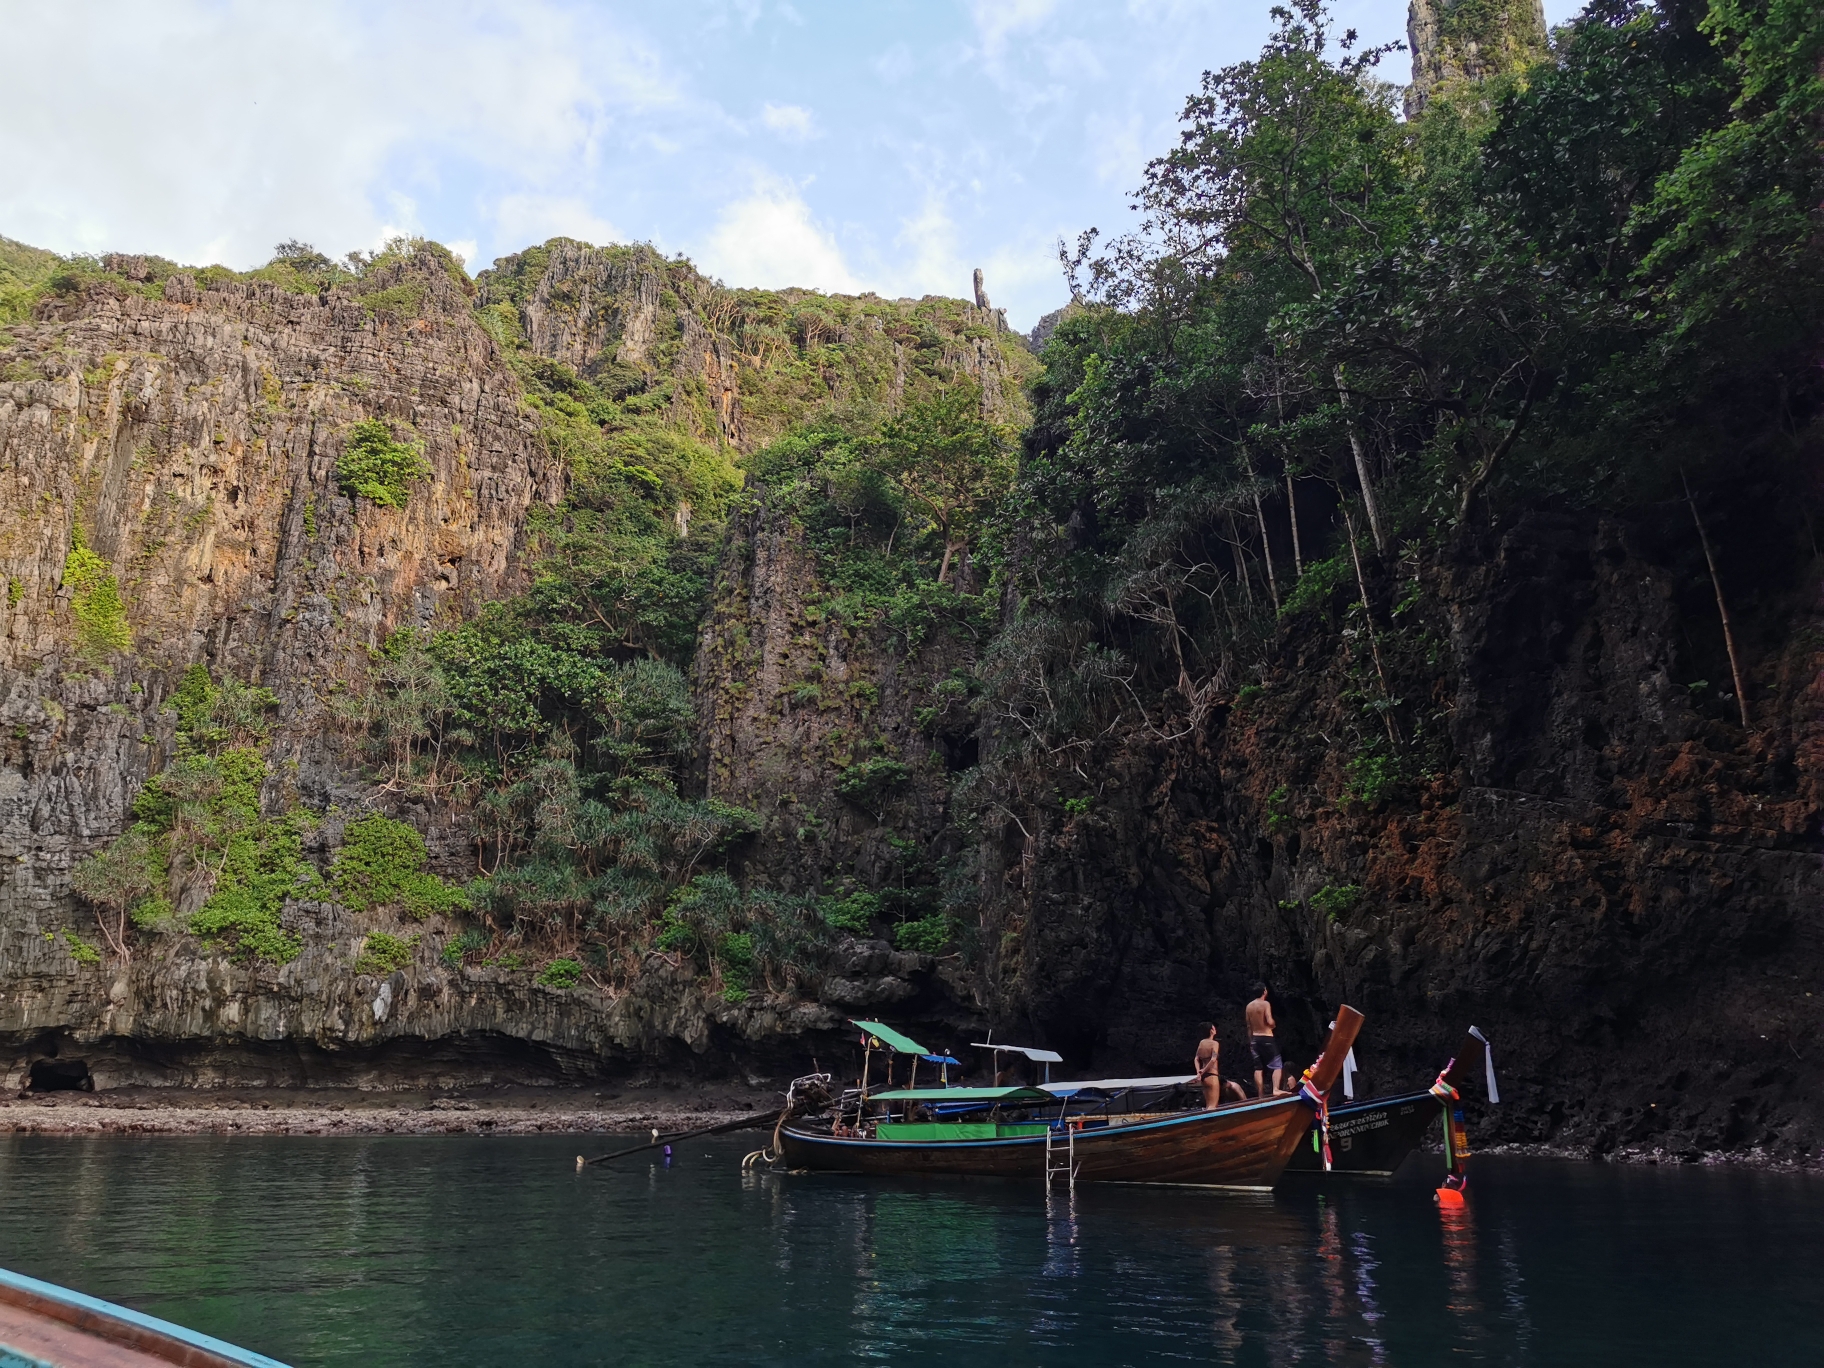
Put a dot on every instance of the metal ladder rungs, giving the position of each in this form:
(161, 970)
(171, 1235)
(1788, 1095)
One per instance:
(1067, 1165)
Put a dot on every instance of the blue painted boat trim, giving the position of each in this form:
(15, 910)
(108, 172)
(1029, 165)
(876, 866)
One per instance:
(1183, 1119)
(82, 1301)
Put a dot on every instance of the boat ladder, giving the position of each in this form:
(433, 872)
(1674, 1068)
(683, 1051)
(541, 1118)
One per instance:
(1061, 1154)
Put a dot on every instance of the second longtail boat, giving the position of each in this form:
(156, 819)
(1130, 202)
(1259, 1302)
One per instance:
(1373, 1136)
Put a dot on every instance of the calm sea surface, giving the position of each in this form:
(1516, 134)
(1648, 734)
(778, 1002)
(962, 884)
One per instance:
(457, 1250)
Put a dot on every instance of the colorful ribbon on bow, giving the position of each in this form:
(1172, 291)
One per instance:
(1308, 1093)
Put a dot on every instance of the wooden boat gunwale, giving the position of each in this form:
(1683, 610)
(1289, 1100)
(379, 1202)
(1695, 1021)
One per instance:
(1035, 1145)
(108, 1333)
(1126, 1127)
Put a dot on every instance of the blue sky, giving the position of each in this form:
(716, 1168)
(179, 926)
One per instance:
(890, 145)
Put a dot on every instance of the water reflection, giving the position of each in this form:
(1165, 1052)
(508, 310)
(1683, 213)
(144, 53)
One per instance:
(1462, 1301)
(420, 1251)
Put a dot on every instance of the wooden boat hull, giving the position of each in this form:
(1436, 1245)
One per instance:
(1240, 1145)
(41, 1323)
(1371, 1137)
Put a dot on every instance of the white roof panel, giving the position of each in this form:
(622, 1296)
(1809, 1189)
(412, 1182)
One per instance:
(1118, 1084)
(1031, 1052)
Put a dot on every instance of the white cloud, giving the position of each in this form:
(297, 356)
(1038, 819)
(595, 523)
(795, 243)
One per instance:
(1074, 60)
(1020, 51)
(998, 20)
(931, 261)
(895, 64)
(465, 250)
(1118, 147)
(524, 219)
(769, 240)
(789, 121)
(1163, 11)
(215, 128)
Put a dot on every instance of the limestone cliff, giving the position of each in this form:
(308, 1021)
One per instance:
(1595, 862)
(760, 360)
(173, 496)
(186, 432)
(1457, 43)
(1600, 869)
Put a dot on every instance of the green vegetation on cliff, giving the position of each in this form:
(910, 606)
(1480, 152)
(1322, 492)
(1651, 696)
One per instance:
(382, 863)
(101, 618)
(202, 836)
(24, 272)
(375, 465)
(1342, 342)
(199, 831)
(562, 720)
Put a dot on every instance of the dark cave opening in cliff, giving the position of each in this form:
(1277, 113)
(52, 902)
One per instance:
(960, 752)
(61, 1075)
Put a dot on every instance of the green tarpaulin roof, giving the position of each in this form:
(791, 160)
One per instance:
(964, 1095)
(886, 1035)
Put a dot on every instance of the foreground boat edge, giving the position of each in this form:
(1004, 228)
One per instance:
(108, 1324)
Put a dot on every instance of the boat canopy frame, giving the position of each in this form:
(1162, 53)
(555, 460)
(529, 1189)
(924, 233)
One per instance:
(1032, 1052)
(1021, 1096)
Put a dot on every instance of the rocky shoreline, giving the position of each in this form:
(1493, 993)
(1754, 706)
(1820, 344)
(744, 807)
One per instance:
(552, 1111)
(518, 1111)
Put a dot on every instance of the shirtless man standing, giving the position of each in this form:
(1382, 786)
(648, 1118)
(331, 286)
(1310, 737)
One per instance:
(1261, 1042)
(1209, 1075)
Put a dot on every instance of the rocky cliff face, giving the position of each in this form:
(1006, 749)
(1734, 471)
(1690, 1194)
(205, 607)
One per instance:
(172, 498)
(844, 738)
(187, 433)
(793, 692)
(1622, 888)
(1457, 43)
(1595, 863)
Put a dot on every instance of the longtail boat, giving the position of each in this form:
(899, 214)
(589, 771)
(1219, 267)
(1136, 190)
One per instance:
(43, 1325)
(1373, 1136)
(1064, 1130)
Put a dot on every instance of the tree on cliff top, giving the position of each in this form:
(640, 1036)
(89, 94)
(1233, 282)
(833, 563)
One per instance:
(953, 465)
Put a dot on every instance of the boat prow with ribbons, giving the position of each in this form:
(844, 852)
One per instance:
(1096, 1130)
(1373, 1136)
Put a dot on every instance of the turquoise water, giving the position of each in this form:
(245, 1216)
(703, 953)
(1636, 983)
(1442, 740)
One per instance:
(459, 1250)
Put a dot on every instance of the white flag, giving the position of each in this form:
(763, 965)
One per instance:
(1488, 1060)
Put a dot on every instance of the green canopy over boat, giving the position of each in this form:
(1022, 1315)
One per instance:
(1020, 1095)
(886, 1035)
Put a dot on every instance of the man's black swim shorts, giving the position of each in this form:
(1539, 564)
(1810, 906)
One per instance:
(1266, 1053)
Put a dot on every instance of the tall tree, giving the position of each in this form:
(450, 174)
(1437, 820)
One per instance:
(953, 464)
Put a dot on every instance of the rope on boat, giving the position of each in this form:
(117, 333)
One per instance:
(807, 1093)
(744, 1123)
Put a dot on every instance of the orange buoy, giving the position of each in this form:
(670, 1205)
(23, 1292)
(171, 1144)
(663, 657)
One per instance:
(1451, 1197)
